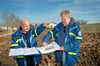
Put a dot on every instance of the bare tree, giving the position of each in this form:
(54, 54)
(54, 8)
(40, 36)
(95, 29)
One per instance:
(16, 22)
(81, 22)
(11, 20)
(6, 19)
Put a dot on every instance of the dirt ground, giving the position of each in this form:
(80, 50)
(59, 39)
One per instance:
(89, 51)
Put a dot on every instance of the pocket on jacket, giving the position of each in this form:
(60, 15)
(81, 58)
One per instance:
(72, 57)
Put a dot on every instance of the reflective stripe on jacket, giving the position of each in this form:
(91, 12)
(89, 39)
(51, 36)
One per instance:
(71, 44)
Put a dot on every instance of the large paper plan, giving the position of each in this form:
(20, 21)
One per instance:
(50, 48)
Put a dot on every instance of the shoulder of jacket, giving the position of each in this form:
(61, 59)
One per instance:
(74, 26)
(58, 26)
(31, 29)
(15, 33)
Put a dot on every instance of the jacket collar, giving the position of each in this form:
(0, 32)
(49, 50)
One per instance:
(72, 21)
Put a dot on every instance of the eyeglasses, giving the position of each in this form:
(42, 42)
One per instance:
(64, 29)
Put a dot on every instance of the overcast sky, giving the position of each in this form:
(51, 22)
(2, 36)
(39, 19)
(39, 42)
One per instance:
(41, 11)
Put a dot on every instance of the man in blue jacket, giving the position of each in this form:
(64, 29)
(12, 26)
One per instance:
(25, 37)
(68, 35)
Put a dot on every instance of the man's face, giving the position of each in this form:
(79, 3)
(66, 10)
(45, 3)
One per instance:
(65, 20)
(25, 26)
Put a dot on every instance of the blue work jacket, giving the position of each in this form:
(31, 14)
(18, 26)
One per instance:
(72, 41)
(19, 41)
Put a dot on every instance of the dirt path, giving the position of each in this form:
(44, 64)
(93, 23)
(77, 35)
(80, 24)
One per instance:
(3, 35)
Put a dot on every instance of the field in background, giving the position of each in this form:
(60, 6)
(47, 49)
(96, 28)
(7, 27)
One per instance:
(91, 28)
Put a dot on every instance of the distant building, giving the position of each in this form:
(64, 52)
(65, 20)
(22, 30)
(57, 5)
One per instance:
(4, 28)
(52, 25)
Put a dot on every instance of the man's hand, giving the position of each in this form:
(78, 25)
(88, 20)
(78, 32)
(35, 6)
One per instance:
(61, 48)
(46, 24)
(25, 47)
(44, 44)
